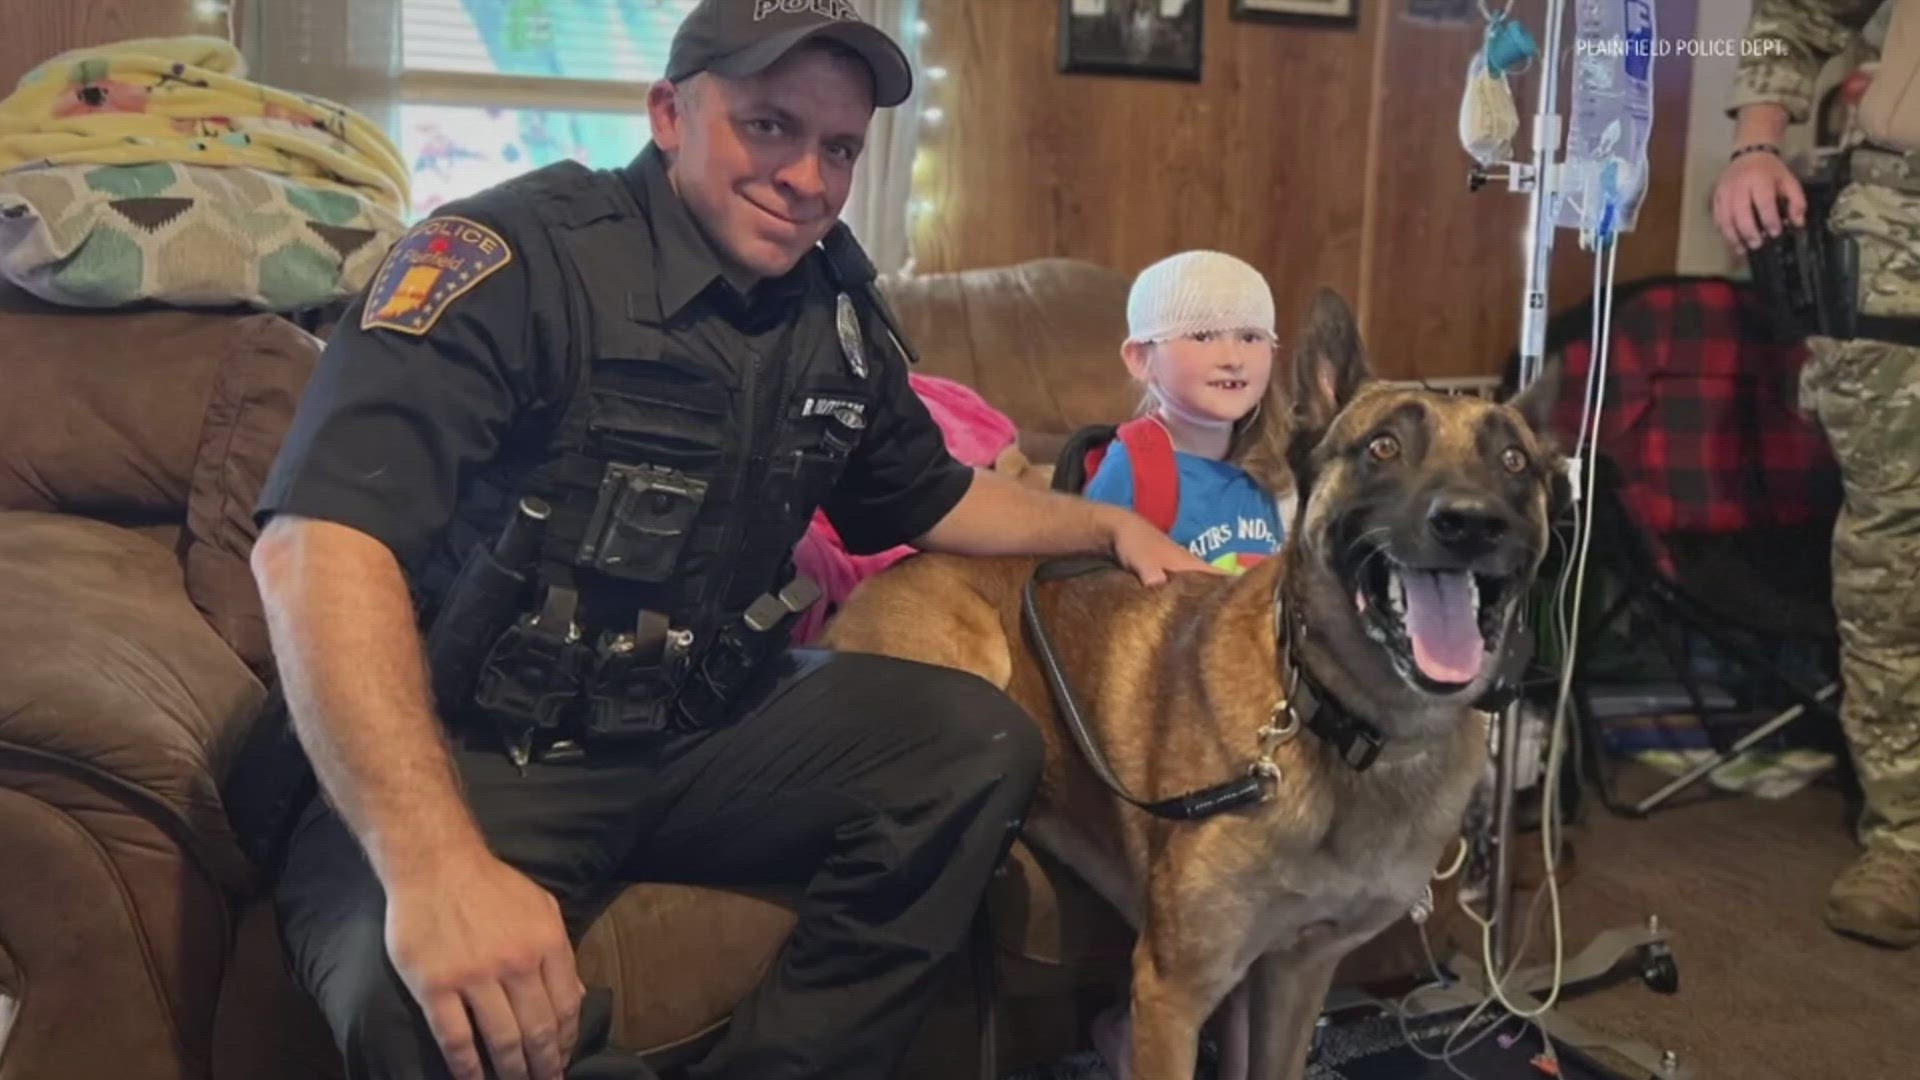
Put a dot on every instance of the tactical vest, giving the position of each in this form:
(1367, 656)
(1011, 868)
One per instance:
(627, 575)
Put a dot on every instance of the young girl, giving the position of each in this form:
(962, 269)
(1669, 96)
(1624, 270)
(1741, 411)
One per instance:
(1200, 338)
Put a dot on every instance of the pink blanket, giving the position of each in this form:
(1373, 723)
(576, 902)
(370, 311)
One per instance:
(976, 433)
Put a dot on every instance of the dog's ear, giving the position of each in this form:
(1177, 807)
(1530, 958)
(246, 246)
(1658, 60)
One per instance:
(1536, 405)
(1329, 364)
(1560, 495)
(1537, 401)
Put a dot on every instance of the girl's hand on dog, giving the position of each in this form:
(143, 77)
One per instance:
(1148, 552)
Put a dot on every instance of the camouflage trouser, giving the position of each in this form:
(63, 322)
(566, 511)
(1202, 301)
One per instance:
(1866, 395)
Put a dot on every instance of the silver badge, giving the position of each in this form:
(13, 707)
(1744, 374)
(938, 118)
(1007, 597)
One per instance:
(848, 322)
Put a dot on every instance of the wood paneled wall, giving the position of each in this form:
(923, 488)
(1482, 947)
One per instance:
(1323, 156)
(33, 30)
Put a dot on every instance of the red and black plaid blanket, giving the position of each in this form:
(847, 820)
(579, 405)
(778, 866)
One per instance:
(1700, 413)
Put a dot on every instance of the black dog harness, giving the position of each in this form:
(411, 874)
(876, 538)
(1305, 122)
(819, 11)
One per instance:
(1305, 704)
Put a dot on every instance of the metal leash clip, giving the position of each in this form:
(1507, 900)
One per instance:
(1274, 734)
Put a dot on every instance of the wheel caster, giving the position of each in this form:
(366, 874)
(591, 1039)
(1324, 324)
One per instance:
(1658, 969)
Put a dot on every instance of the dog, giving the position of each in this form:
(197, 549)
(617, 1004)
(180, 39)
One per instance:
(1421, 520)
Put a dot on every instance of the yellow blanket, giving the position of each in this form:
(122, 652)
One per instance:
(187, 100)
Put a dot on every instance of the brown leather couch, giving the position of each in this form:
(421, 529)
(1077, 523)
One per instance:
(135, 940)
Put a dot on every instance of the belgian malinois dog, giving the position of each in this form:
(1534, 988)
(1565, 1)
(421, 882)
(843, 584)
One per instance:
(1421, 521)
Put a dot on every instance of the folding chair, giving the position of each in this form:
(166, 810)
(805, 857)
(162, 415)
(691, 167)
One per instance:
(1712, 511)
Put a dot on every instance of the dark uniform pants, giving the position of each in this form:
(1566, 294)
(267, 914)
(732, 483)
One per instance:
(882, 792)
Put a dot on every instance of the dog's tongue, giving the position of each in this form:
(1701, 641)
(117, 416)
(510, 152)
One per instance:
(1444, 625)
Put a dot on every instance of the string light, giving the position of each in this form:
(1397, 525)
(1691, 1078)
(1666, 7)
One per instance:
(922, 209)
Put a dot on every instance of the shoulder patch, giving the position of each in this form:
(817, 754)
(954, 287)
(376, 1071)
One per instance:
(429, 267)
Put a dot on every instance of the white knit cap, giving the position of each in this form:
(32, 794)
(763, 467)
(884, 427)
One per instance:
(1195, 291)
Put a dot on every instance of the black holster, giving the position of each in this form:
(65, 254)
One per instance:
(483, 652)
(1810, 276)
(727, 668)
(535, 670)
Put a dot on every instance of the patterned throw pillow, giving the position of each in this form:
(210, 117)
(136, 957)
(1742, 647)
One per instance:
(187, 235)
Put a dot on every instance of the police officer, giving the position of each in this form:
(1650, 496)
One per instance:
(660, 371)
(1863, 385)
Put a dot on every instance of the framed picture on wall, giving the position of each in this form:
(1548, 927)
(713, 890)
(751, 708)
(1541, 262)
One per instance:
(1156, 39)
(1310, 12)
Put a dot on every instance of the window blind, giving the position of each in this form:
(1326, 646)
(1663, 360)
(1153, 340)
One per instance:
(621, 41)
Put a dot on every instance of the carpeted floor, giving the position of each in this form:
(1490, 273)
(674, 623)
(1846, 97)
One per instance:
(1766, 991)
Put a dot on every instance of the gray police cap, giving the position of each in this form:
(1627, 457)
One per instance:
(745, 37)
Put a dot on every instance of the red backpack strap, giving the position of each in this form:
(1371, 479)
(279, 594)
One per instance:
(1091, 462)
(1156, 474)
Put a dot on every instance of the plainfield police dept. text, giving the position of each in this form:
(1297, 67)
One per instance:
(1638, 46)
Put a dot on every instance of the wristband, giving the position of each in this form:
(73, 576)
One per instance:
(1754, 148)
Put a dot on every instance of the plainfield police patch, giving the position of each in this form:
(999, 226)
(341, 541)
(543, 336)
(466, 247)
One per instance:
(430, 267)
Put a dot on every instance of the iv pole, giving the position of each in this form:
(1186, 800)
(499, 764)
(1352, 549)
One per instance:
(1541, 180)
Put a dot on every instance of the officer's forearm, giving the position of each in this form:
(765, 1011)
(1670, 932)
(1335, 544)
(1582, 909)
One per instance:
(350, 661)
(1761, 122)
(998, 516)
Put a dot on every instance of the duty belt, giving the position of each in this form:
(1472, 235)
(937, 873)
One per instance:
(547, 692)
(539, 683)
(1885, 167)
(1811, 276)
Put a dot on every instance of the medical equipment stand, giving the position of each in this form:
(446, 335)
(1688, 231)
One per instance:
(1541, 181)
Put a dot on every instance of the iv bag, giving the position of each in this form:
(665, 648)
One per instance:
(1604, 175)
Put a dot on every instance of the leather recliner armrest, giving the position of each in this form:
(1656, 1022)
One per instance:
(113, 675)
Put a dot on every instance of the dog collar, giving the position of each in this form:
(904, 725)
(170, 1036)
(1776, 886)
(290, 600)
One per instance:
(1356, 740)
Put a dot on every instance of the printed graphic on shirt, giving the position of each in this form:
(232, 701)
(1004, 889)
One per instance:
(1235, 545)
(1224, 517)
(428, 269)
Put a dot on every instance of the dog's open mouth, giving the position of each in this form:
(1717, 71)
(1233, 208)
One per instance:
(1439, 626)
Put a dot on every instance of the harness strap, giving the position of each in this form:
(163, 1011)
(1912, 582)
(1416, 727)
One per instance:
(1206, 802)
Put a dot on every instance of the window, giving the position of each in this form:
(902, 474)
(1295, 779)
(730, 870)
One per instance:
(490, 89)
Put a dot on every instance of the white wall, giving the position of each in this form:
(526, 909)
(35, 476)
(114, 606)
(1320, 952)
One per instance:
(1709, 141)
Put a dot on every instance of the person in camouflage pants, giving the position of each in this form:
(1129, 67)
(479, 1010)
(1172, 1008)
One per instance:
(1865, 393)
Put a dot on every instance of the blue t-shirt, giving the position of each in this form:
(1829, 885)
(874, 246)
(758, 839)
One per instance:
(1224, 517)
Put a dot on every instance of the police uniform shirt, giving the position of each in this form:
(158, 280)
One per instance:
(394, 425)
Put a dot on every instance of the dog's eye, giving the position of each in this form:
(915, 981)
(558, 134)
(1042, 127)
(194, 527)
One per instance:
(1514, 459)
(1383, 448)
